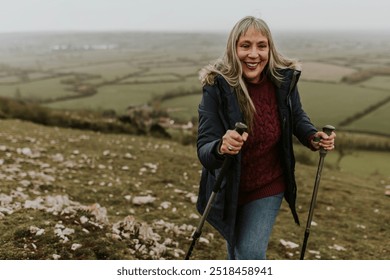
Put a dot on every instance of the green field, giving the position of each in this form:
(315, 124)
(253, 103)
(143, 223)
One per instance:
(108, 71)
(380, 82)
(361, 163)
(184, 108)
(333, 103)
(133, 68)
(121, 96)
(365, 163)
(37, 90)
(377, 121)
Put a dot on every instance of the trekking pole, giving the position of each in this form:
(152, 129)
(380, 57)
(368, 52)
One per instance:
(240, 128)
(328, 129)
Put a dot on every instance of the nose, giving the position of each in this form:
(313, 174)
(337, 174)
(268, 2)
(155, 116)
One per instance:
(254, 53)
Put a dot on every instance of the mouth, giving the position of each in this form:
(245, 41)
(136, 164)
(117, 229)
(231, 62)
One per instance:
(252, 65)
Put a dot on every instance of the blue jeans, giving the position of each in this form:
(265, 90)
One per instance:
(253, 228)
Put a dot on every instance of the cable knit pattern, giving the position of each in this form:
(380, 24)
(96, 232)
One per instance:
(261, 168)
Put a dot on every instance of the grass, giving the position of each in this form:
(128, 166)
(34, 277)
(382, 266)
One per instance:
(115, 97)
(39, 90)
(153, 79)
(118, 97)
(379, 82)
(376, 121)
(332, 103)
(109, 70)
(364, 162)
(83, 175)
(348, 214)
(183, 108)
(177, 70)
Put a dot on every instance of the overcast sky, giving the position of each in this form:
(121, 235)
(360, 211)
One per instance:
(191, 15)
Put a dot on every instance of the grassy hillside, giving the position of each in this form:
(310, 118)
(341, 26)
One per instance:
(72, 194)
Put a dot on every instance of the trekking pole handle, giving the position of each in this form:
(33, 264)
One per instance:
(328, 129)
(240, 127)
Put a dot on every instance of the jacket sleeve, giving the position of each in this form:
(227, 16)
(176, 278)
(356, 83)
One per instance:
(210, 129)
(303, 128)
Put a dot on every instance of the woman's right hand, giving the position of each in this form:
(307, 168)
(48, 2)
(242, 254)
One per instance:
(232, 142)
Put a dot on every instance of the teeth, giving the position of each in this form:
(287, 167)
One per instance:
(252, 64)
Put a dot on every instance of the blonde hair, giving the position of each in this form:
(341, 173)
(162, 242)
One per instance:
(229, 66)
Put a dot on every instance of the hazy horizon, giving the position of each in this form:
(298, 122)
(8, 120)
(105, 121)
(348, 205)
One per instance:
(217, 16)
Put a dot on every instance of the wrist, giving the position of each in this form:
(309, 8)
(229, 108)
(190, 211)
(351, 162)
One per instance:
(219, 148)
(312, 140)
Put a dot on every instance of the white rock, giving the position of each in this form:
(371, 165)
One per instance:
(99, 212)
(5, 199)
(194, 216)
(210, 235)
(75, 246)
(288, 244)
(58, 158)
(83, 219)
(314, 252)
(141, 200)
(25, 183)
(34, 229)
(129, 156)
(68, 231)
(165, 204)
(34, 204)
(204, 240)
(194, 199)
(25, 151)
(337, 247)
(142, 171)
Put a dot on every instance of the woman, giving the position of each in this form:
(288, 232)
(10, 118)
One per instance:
(254, 84)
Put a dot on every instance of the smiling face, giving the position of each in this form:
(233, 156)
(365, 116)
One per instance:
(253, 53)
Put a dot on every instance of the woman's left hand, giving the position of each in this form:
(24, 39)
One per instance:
(326, 142)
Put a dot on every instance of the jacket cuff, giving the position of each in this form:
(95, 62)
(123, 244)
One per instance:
(311, 137)
(216, 152)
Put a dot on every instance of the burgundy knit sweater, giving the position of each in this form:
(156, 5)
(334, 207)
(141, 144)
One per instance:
(261, 167)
